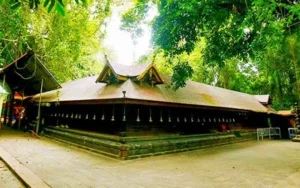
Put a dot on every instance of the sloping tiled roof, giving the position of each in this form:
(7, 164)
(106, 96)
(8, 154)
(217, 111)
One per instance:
(193, 94)
(270, 110)
(286, 113)
(263, 99)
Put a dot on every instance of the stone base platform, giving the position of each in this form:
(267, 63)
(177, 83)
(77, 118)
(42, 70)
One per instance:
(296, 138)
(142, 146)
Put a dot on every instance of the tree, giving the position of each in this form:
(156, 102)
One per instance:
(14, 35)
(68, 45)
(236, 32)
(59, 5)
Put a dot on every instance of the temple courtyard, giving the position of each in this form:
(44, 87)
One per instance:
(47, 163)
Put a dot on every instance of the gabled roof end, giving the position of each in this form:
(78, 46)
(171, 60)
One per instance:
(138, 72)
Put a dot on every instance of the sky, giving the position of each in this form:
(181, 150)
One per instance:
(120, 43)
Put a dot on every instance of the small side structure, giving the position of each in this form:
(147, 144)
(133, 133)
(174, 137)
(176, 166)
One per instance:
(283, 119)
(23, 78)
(128, 112)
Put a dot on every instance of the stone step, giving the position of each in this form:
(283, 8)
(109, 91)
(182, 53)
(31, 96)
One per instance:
(142, 146)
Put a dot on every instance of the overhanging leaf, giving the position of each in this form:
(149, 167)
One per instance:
(31, 4)
(46, 2)
(15, 5)
(36, 3)
(61, 2)
(51, 5)
(60, 8)
(84, 2)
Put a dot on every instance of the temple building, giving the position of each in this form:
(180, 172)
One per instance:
(127, 110)
(134, 100)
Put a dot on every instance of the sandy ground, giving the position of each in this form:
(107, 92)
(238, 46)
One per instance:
(268, 163)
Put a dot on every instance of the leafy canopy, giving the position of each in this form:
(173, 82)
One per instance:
(68, 45)
(237, 33)
(59, 5)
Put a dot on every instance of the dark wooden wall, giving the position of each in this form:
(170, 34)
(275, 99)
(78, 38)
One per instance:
(165, 120)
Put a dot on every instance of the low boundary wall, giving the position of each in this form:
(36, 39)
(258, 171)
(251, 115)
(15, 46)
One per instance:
(143, 146)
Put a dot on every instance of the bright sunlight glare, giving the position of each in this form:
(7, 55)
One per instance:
(120, 44)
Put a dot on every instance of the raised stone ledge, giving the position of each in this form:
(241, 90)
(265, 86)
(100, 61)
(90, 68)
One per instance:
(143, 146)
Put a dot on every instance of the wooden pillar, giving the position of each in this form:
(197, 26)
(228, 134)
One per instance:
(103, 115)
(20, 119)
(124, 129)
(6, 107)
(113, 114)
(6, 112)
(150, 115)
(138, 115)
(11, 108)
(124, 113)
(39, 108)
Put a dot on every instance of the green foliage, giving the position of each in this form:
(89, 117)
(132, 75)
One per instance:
(59, 8)
(181, 73)
(175, 14)
(133, 19)
(49, 4)
(250, 46)
(14, 33)
(68, 45)
(15, 5)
